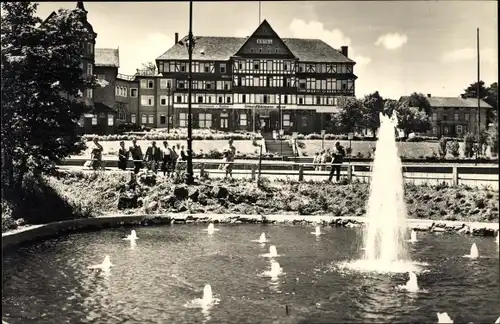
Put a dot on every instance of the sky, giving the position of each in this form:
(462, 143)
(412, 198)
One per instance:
(399, 47)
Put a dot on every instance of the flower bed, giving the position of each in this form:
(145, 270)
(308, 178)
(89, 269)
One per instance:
(176, 134)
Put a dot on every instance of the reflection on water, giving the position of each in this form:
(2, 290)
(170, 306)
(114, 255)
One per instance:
(50, 283)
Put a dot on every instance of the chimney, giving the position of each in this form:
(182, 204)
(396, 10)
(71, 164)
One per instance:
(343, 50)
(428, 95)
(176, 38)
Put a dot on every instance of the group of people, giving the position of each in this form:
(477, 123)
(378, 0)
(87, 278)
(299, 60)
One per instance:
(335, 157)
(165, 159)
(156, 158)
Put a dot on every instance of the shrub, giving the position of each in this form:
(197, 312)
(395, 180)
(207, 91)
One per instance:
(159, 136)
(419, 138)
(454, 148)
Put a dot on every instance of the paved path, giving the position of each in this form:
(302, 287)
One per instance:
(474, 180)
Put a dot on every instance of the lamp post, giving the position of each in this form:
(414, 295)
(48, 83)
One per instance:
(189, 171)
(168, 107)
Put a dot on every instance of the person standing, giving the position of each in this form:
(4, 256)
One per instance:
(96, 154)
(136, 153)
(153, 157)
(338, 158)
(166, 159)
(316, 161)
(173, 159)
(122, 156)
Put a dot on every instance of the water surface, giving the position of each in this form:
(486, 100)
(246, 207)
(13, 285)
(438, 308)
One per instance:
(49, 283)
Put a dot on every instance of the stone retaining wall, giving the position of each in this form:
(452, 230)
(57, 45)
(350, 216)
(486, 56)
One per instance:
(40, 232)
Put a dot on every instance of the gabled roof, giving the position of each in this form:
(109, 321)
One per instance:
(223, 48)
(455, 102)
(107, 57)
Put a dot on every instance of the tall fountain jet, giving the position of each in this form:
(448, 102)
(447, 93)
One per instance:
(384, 237)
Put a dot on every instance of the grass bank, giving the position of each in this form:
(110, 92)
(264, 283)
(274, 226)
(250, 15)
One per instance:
(97, 194)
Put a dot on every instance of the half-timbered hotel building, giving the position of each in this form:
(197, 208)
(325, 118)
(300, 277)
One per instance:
(258, 82)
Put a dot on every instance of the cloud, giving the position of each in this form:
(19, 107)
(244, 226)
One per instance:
(242, 33)
(334, 37)
(391, 41)
(469, 54)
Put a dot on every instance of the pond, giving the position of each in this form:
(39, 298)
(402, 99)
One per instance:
(154, 281)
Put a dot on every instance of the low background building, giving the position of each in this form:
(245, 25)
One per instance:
(455, 116)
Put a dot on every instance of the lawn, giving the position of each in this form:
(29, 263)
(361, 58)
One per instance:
(407, 149)
(110, 148)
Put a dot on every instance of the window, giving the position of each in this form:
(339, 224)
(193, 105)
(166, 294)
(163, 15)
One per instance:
(147, 84)
(286, 120)
(256, 65)
(223, 68)
(434, 116)
(302, 84)
(228, 99)
(243, 119)
(455, 116)
(205, 120)
(467, 117)
(434, 130)
(151, 119)
(111, 120)
(459, 129)
(163, 100)
(133, 92)
(89, 93)
(178, 99)
(163, 119)
(446, 130)
(101, 77)
(181, 84)
(165, 84)
(244, 98)
(90, 48)
(147, 100)
(144, 119)
(304, 121)
(301, 100)
(224, 120)
(89, 68)
(200, 99)
(94, 120)
(133, 118)
(182, 120)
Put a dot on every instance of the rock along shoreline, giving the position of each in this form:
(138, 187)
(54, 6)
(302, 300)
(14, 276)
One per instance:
(40, 232)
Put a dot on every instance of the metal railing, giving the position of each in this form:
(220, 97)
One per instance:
(413, 173)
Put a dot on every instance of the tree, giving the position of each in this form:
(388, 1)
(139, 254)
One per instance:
(373, 105)
(419, 101)
(149, 68)
(412, 119)
(493, 134)
(471, 91)
(492, 95)
(350, 117)
(41, 87)
(390, 106)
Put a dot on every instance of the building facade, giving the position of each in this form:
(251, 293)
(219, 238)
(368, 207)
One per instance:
(259, 82)
(454, 117)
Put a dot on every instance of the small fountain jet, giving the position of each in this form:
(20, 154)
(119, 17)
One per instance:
(211, 229)
(498, 235)
(262, 239)
(498, 319)
(443, 318)
(132, 236)
(275, 272)
(413, 237)
(104, 266)
(317, 231)
(273, 252)
(474, 252)
(206, 302)
(412, 283)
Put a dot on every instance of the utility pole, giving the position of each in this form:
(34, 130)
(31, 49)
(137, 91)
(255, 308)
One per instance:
(189, 171)
(478, 97)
